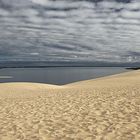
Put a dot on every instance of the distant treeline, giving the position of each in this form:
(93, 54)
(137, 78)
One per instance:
(133, 68)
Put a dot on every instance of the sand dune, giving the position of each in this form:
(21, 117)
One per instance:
(106, 108)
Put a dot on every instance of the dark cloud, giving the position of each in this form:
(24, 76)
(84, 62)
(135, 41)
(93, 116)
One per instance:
(135, 54)
(81, 30)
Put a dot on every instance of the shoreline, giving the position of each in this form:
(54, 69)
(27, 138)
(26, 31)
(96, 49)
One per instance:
(70, 82)
(92, 79)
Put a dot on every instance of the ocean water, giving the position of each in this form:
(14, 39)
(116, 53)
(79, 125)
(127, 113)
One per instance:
(56, 75)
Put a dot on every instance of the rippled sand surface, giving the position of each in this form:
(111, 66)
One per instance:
(106, 108)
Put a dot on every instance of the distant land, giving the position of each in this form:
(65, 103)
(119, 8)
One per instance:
(45, 64)
(133, 68)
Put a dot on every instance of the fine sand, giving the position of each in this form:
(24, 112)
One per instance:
(106, 108)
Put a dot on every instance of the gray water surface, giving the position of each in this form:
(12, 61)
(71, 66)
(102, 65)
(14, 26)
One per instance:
(56, 75)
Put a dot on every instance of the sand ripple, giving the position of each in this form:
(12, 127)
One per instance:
(91, 111)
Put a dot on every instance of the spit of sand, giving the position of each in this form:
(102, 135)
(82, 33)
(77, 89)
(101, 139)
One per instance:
(106, 108)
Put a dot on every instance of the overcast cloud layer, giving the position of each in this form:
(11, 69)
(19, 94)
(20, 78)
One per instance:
(65, 30)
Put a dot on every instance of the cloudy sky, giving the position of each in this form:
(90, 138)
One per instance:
(70, 30)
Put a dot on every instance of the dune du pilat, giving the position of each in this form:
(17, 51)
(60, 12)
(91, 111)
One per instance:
(105, 108)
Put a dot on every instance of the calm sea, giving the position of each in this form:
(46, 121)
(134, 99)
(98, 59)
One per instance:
(56, 75)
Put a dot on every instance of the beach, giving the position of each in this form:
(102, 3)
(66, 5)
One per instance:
(106, 108)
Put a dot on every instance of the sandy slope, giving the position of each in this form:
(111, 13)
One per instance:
(103, 109)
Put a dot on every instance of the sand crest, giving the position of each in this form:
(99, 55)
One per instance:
(106, 108)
